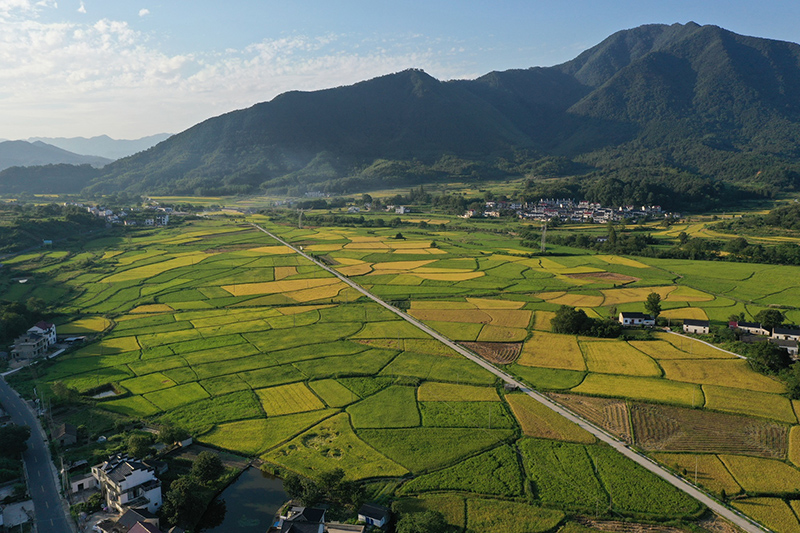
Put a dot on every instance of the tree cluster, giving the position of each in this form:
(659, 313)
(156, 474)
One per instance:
(330, 487)
(574, 321)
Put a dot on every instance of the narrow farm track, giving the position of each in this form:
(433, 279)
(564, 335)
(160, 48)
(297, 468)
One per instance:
(734, 516)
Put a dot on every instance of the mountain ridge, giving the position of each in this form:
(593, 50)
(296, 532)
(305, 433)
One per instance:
(647, 114)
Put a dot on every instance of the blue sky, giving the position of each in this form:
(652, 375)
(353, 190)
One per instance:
(132, 68)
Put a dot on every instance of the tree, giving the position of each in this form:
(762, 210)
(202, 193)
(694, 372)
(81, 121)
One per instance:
(140, 446)
(570, 320)
(768, 358)
(183, 503)
(207, 467)
(170, 435)
(653, 304)
(425, 522)
(13, 440)
(770, 318)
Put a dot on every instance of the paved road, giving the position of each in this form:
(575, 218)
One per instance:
(50, 510)
(734, 516)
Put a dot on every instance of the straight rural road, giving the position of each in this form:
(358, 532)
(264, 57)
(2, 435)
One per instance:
(735, 517)
(49, 508)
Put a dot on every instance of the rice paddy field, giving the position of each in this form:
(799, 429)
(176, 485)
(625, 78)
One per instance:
(220, 330)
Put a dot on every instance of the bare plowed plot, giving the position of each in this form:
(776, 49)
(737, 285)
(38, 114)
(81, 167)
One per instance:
(610, 414)
(497, 352)
(663, 428)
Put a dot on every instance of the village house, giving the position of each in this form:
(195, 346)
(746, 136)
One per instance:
(46, 330)
(786, 334)
(29, 346)
(66, 435)
(302, 520)
(127, 483)
(695, 326)
(636, 319)
(749, 327)
(789, 346)
(373, 515)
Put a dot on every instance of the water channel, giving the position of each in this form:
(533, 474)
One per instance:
(247, 505)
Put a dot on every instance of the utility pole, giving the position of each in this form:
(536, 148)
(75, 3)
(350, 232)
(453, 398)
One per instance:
(544, 236)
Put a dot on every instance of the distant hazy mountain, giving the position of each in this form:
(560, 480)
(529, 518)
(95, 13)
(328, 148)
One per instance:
(678, 115)
(103, 145)
(25, 154)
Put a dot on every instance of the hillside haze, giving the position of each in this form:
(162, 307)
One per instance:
(658, 113)
(103, 145)
(26, 154)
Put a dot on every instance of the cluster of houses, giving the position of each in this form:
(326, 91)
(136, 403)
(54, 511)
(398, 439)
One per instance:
(786, 338)
(35, 342)
(568, 210)
(154, 216)
(312, 520)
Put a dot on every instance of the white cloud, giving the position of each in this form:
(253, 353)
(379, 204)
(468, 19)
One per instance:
(105, 77)
(144, 12)
(82, 9)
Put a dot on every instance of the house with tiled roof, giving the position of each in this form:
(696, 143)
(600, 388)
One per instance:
(128, 483)
(46, 330)
(636, 319)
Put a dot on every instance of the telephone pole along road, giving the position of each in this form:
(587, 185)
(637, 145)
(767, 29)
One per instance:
(738, 519)
(49, 508)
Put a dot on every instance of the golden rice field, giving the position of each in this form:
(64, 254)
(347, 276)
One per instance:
(772, 512)
(432, 391)
(664, 350)
(542, 320)
(473, 316)
(794, 445)
(619, 260)
(111, 346)
(711, 471)
(511, 318)
(551, 350)
(748, 402)
(537, 420)
(274, 287)
(683, 313)
(151, 270)
(438, 304)
(490, 303)
(94, 324)
(355, 270)
(288, 399)
(762, 476)
(618, 358)
(271, 250)
(637, 294)
(492, 333)
(682, 293)
(455, 276)
(641, 388)
(284, 272)
(692, 346)
(402, 265)
(317, 293)
(572, 299)
(728, 372)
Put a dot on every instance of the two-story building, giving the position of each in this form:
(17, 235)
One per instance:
(29, 346)
(46, 330)
(127, 483)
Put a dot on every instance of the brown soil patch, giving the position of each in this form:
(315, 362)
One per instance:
(604, 276)
(608, 413)
(501, 353)
(677, 429)
(717, 524)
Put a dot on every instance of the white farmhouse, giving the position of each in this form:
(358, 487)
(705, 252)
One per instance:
(128, 484)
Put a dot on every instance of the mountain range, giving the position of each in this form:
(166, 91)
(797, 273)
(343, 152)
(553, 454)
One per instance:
(103, 145)
(26, 154)
(682, 113)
